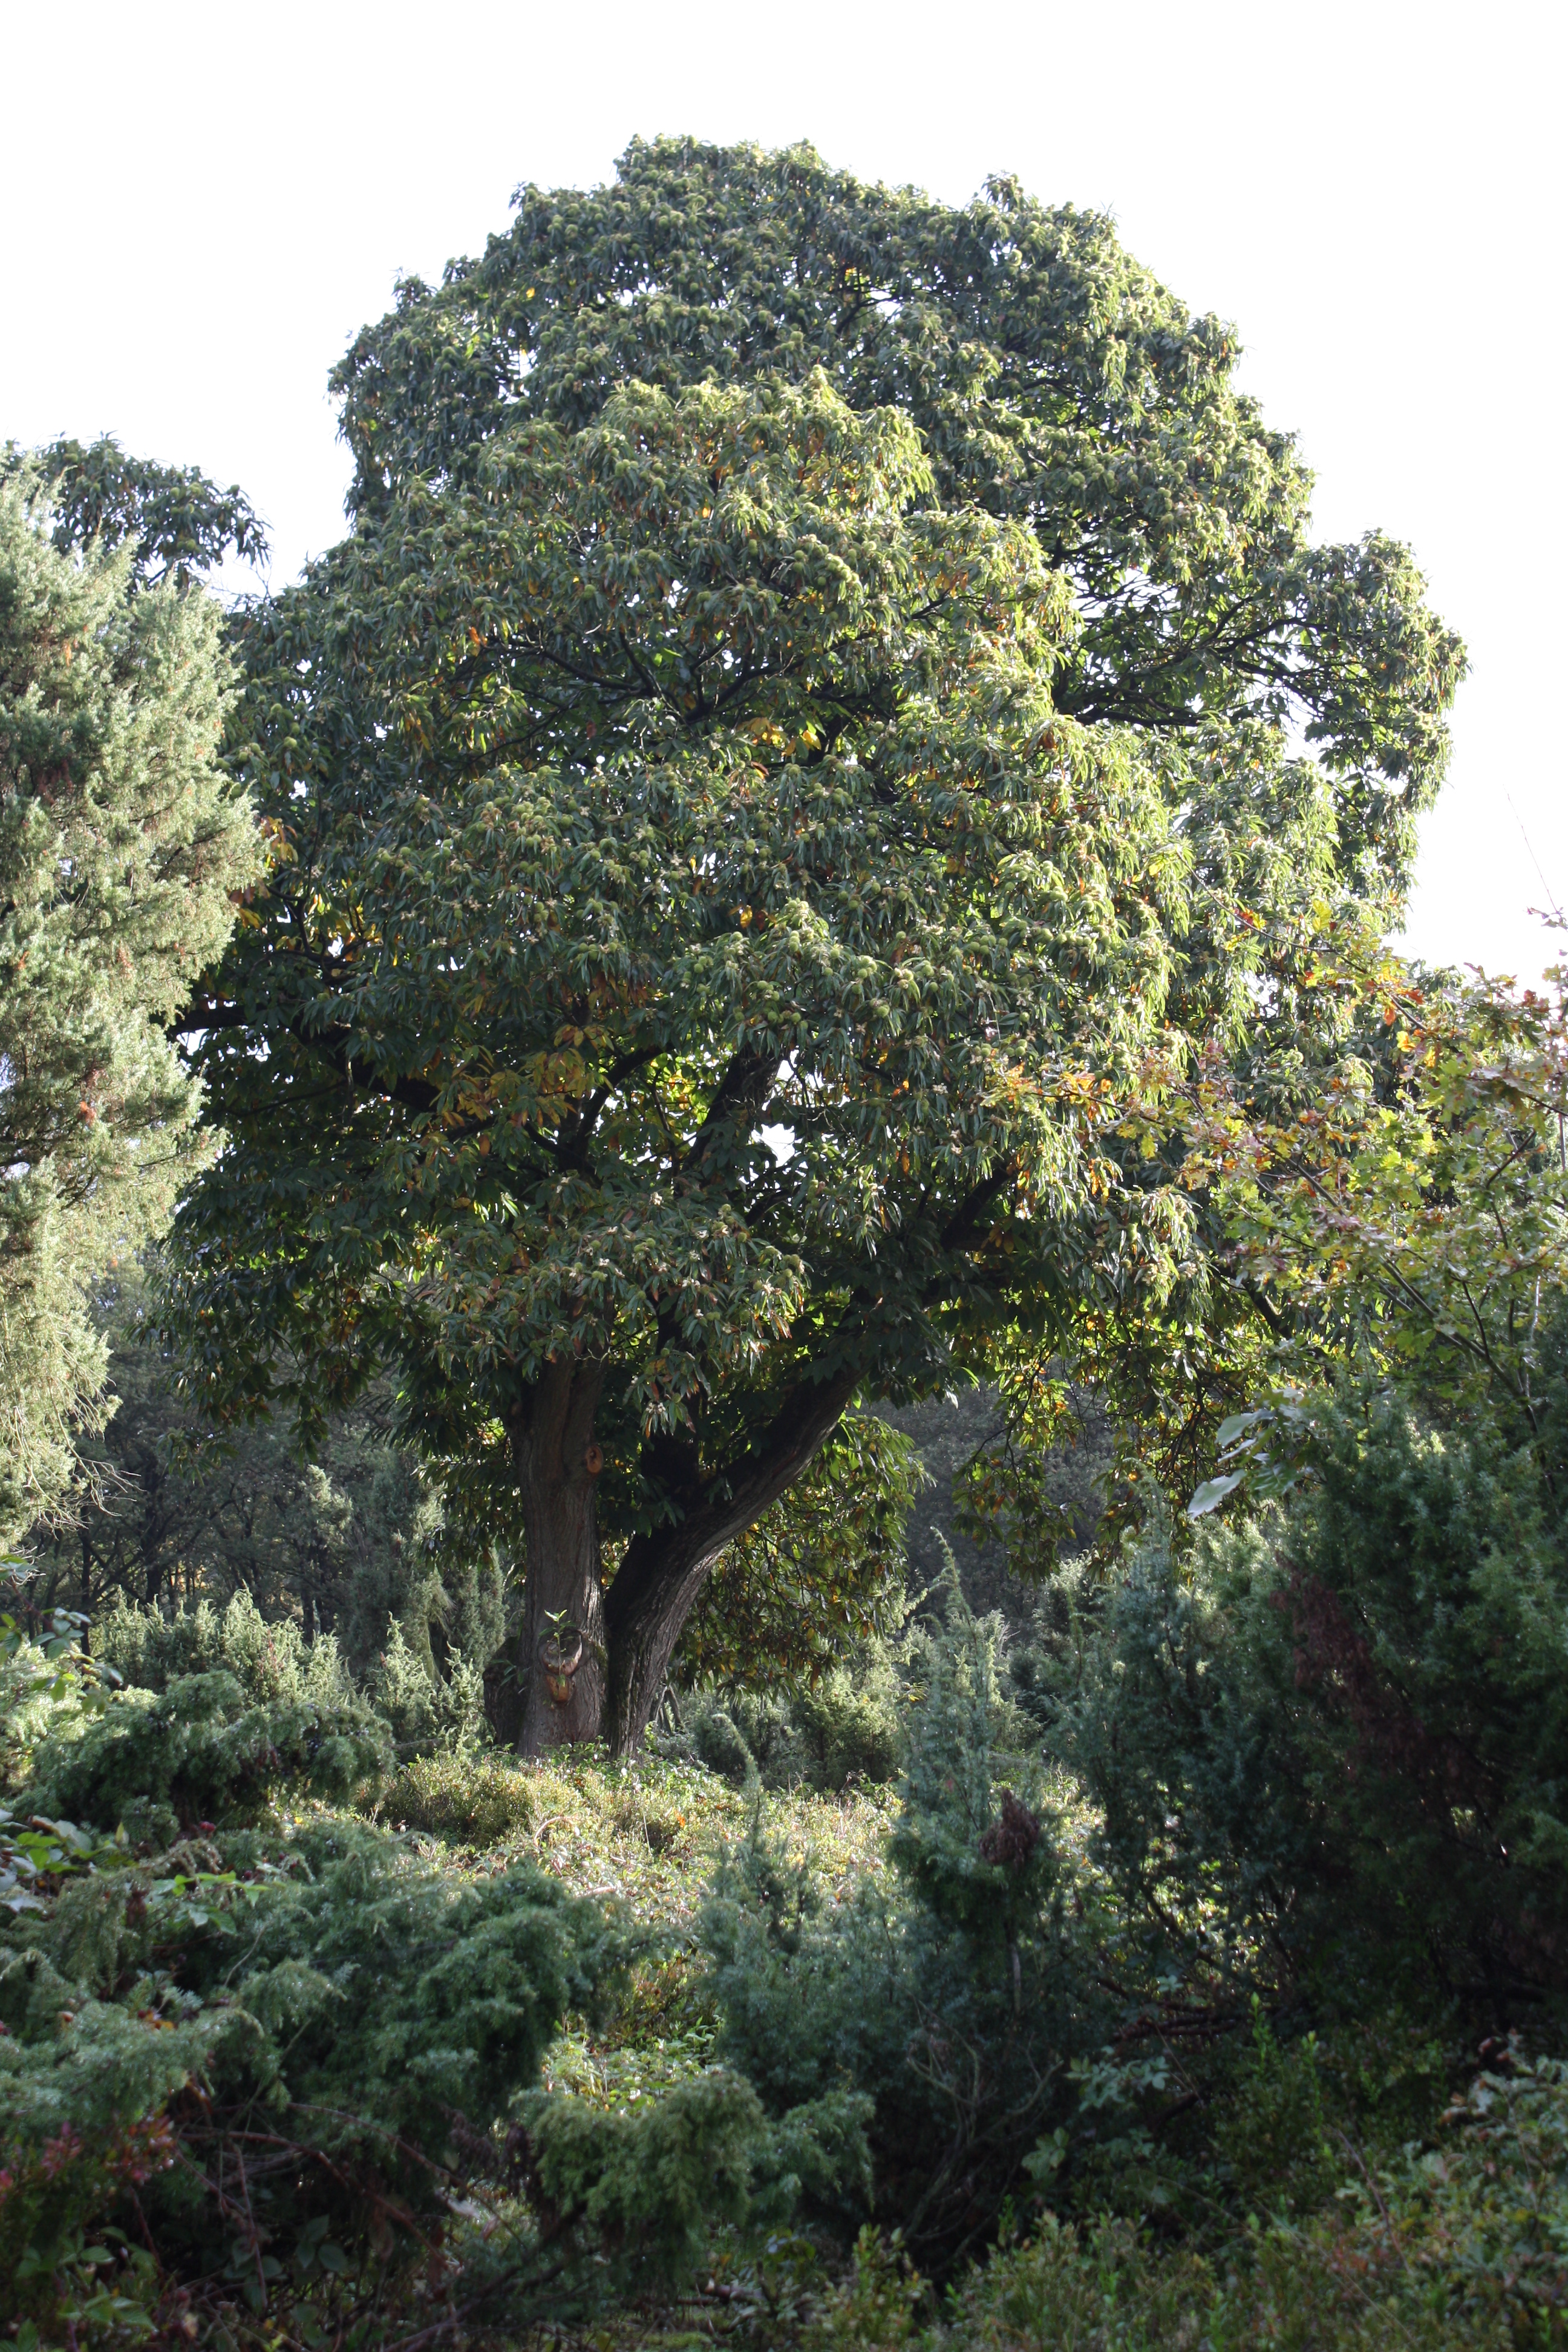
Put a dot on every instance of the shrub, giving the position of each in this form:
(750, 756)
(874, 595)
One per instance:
(874, 2304)
(1098, 2290)
(845, 1728)
(711, 1735)
(1460, 2245)
(358, 2025)
(275, 1661)
(48, 1682)
(52, 2198)
(850, 1725)
(641, 2190)
(429, 1713)
(953, 1997)
(270, 1661)
(1342, 1728)
(197, 1755)
(478, 1800)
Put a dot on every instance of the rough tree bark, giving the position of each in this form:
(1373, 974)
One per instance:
(630, 1633)
(553, 1444)
(660, 1577)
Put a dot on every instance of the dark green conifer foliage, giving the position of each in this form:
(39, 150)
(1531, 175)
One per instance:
(190, 1517)
(123, 846)
(349, 2018)
(632, 2197)
(1336, 1736)
(954, 1997)
(164, 1764)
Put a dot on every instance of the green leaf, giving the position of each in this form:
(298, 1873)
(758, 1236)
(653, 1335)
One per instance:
(1211, 1493)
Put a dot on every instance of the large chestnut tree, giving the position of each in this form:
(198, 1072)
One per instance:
(825, 699)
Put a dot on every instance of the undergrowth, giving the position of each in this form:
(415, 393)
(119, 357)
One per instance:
(457, 2051)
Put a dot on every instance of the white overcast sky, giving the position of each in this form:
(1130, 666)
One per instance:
(202, 204)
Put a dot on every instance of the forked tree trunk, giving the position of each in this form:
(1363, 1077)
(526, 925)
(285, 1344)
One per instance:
(629, 1638)
(553, 1444)
(655, 1606)
(661, 1575)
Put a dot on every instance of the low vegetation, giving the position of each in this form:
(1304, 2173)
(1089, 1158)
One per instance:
(356, 2051)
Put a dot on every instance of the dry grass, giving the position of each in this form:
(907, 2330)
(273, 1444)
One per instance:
(648, 1833)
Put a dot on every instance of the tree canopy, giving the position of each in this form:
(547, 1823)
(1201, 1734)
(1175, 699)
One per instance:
(1051, 378)
(172, 523)
(797, 744)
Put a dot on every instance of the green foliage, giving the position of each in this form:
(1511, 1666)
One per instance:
(1272, 2133)
(345, 2011)
(1413, 1206)
(356, 1538)
(953, 1996)
(650, 2183)
(475, 1800)
(784, 932)
(875, 2304)
(45, 1673)
(793, 883)
(846, 972)
(150, 1649)
(1342, 1728)
(1098, 2291)
(426, 1707)
(849, 1726)
(123, 848)
(820, 1571)
(649, 2180)
(362, 2027)
(1487, 2210)
(51, 2196)
(1460, 2243)
(485, 1970)
(200, 1754)
(843, 1729)
(429, 1711)
(644, 1831)
(972, 1872)
(883, 720)
(172, 523)
(1383, 1180)
(1048, 375)
(1210, 2185)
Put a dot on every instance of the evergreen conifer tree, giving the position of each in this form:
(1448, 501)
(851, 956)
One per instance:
(123, 847)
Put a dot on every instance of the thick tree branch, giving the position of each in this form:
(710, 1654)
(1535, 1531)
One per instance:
(960, 1225)
(744, 1087)
(662, 1573)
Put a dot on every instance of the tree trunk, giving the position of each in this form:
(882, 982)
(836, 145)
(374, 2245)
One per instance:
(665, 1580)
(629, 1638)
(552, 1434)
(660, 1577)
